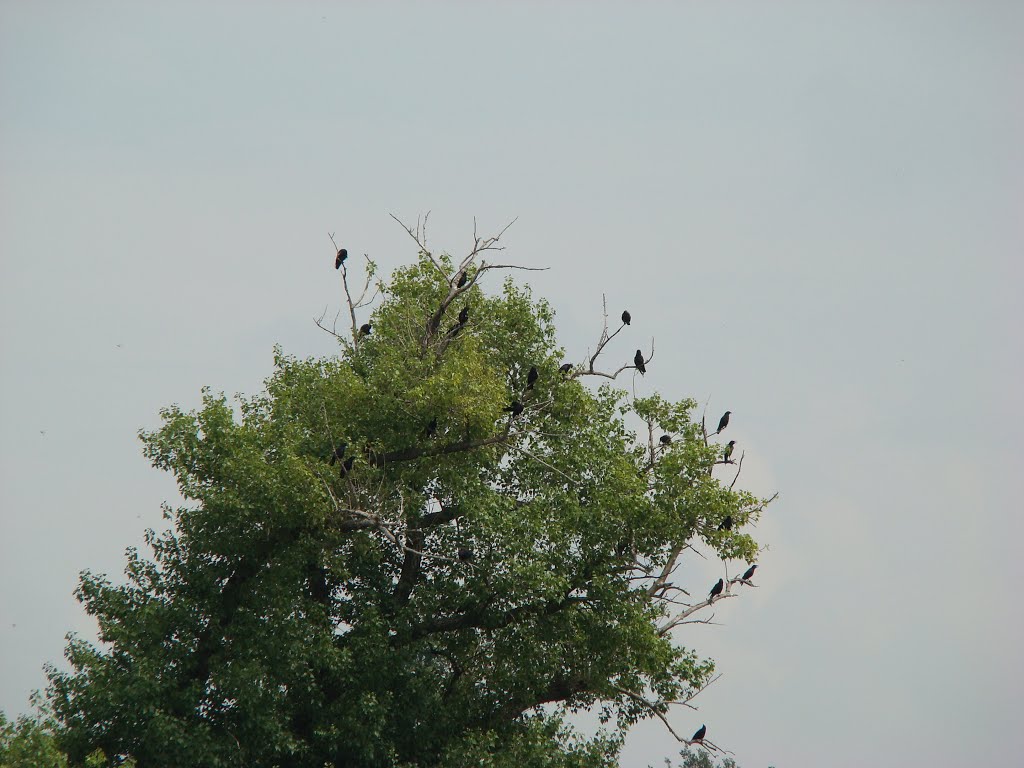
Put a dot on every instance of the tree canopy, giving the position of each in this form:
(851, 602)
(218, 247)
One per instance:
(381, 561)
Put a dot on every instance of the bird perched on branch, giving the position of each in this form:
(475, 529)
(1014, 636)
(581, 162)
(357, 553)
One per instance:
(564, 368)
(724, 421)
(339, 453)
(365, 329)
(727, 453)
(700, 734)
(466, 555)
(346, 465)
(431, 428)
(515, 408)
(749, 573)
(463, 277)
(626, 317)
(531, 377)
(340, 258)
(717, 589)
(463, 315)
(638, 361)
(665, 439)
(726, 525)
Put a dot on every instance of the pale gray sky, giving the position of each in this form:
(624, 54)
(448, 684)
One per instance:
(815, 207)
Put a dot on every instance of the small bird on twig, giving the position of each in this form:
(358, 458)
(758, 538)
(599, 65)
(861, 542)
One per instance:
(340, 258)
(723, 422)
(531, 377)
(365, 329)
(626, 317)
(749, 573)
(726, 525)
(700, 734)
(564, 368)
(717, 589)
(339, 453)
(515, 408)
(727, 453)
(665, 439)
(638, 361)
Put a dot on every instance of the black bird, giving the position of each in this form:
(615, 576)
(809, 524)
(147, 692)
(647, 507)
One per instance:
(717, 589)
(463, 277)
(466, 555)
(515, 408)
(699, 735)
(723, 422)
(638, 361)
(346, 465)
(365, 329)
(463, 315)
(455, 330)
(565, 368)
(727, 453)
(626, 317)
(340, 258)
(531, 377)
(666, 439)
(339, 453)
(431, 427)
(726, 525)
(749, 573)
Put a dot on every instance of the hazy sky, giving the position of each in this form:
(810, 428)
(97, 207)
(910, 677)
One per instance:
(815, 208)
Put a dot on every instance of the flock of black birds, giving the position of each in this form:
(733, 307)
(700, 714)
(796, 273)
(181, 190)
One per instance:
(516, 407)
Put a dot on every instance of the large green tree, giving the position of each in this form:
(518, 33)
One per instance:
(398, 555)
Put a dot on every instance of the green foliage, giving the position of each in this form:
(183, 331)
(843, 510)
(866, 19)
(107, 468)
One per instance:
(298, 615)
(28, 743)
(700, 759)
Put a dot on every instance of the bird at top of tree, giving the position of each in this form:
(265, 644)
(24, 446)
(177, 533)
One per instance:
(727, 453)
(638, 361)
(564, 368)
(724, 421)
(340, 258)
(365, 329)
(626, 317)
(665, 439)
(749, 573)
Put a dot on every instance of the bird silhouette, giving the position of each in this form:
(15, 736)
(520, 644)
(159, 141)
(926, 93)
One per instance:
(340, 258)
(531, 377)
(346, 465)
(699, 735)
(638, 361)
(463, 315)
(665, 439)
(565, 368)
(727, 453)
(749, 573)
(515, 408)
(724, 421)
(365, 329)
(463, 277)
(431, 427)
(339, 453)
(717, 589)
(626, 317)
(726, 525)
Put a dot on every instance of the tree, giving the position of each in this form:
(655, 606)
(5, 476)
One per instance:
(421, 601)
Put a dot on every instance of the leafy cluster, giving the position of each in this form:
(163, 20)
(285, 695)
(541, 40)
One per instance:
(421, 606)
